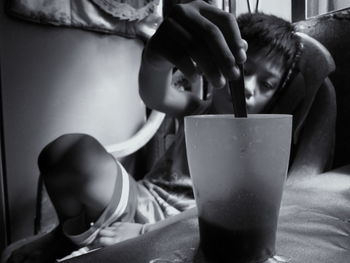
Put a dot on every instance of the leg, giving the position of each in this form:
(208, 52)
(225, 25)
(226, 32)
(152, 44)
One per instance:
(79, 176)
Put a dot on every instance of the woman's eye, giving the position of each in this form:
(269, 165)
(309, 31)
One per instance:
(267, 85)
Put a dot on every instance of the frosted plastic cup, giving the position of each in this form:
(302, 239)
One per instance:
(238, 167)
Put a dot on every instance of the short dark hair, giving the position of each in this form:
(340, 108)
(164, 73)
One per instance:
(271, 33)
(277, 38)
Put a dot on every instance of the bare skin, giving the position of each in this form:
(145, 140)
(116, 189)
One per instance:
(262, 78)
(76, 186)
(79, 176)
(195, 37)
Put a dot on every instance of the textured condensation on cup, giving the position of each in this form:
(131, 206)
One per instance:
(238, 167)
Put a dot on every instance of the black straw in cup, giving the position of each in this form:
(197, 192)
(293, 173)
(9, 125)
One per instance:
(237, 94)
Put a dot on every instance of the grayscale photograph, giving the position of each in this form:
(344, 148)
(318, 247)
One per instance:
(175, 131)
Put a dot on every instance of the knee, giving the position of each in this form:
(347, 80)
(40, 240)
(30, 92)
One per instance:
(70, 154)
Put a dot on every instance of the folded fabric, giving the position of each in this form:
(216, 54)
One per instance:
(128, 9)
(118, 17)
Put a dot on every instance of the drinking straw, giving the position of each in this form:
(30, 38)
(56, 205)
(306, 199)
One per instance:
(237, 94)
(237, 86)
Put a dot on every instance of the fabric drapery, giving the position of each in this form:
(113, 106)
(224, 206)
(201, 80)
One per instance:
(127, 9)
(120, 17)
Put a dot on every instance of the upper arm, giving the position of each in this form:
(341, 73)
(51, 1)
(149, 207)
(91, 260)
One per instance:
(315, 147)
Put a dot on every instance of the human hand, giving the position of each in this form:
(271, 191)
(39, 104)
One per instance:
(195, 36)
(118, 232)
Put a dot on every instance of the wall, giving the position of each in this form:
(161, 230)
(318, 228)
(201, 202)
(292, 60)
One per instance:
(340, 4)
(266, 6)
(276, 7)
(55, 81)
(316, 7)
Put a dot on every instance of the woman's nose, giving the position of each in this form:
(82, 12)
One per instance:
(250, 84)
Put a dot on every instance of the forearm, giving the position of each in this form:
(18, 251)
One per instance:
(157, 92)
(182, 41)
(313, 157)
(316, 145)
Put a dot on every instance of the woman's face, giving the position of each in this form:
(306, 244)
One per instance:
(262, 77)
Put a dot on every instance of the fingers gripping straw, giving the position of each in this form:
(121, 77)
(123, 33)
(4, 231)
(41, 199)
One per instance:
(237, 94)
